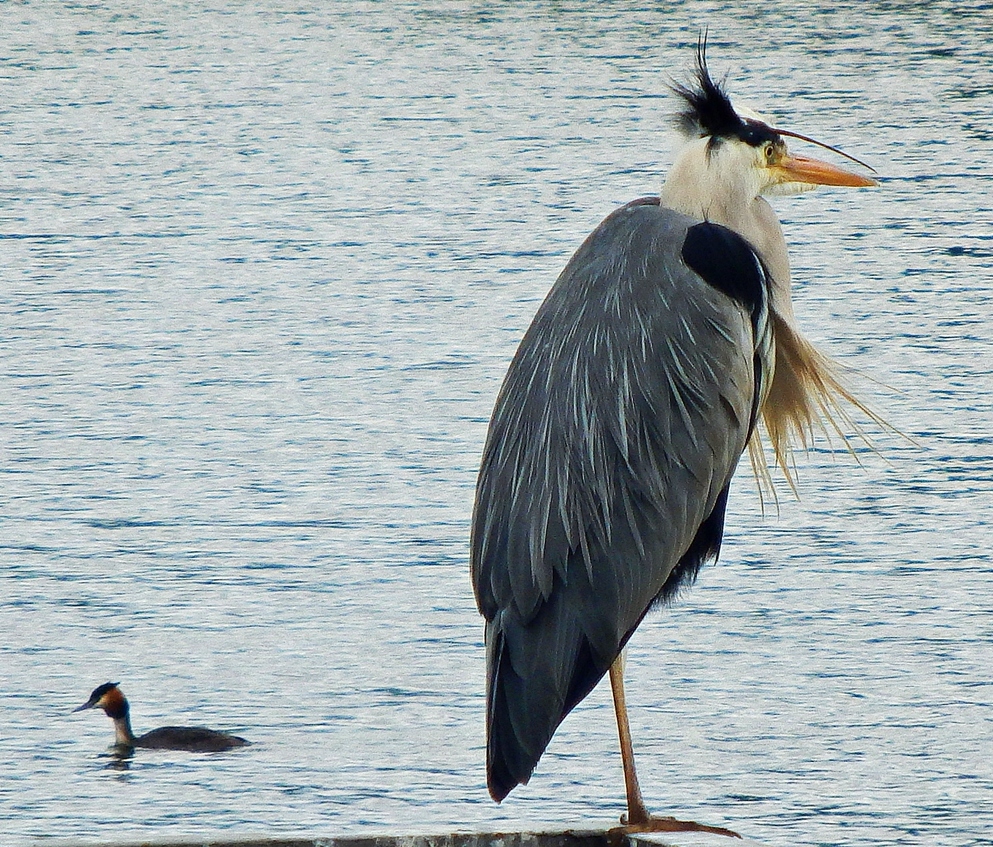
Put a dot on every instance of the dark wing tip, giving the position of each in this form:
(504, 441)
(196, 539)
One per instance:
(507, 763)
(500, 783)
(708, 109)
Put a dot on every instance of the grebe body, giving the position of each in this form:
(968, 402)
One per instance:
(194, 739)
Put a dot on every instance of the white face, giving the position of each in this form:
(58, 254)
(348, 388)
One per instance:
(720, 180)
(778, 181)
(780, 173)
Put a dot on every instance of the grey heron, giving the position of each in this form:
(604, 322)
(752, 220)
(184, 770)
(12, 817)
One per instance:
(641, 381)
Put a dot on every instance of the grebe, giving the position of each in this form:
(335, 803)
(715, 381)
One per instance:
(195, 739)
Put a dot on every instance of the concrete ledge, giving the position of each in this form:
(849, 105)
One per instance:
(567, 838)
(457, 839)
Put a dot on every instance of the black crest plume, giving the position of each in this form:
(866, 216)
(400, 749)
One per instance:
(708, 109)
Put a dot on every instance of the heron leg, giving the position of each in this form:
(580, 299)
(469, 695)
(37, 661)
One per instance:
(638, 818)
(637, 812)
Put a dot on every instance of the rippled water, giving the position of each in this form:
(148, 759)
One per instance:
(263, 270)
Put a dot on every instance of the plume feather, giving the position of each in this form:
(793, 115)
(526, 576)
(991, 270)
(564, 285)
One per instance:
(708, 108)
(806, 395)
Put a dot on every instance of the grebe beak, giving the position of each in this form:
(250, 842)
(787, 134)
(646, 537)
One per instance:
(97, 695)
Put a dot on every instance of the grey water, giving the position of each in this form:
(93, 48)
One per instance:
(262, 268)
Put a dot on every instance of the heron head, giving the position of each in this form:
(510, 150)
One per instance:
(740, 147)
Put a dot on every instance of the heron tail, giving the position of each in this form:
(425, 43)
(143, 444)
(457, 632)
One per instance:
(537, 675)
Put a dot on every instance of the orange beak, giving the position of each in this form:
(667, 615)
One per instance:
(815, 172)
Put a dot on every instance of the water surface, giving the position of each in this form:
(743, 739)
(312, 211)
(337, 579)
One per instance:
(263, 270)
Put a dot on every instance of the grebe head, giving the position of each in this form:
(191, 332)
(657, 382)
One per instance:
(109, 698)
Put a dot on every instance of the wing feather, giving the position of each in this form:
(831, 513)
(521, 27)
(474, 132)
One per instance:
(612, 442)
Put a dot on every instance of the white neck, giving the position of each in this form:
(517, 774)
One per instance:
(709, 188)
(122, 731)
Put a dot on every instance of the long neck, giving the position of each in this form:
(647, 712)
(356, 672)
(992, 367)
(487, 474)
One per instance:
(804, 388)
(119, 712)
(122, 731)
(696, 188)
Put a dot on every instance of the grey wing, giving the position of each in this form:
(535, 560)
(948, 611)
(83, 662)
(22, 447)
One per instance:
(605, 472)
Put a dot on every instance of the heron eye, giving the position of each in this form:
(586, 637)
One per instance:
(770, 152)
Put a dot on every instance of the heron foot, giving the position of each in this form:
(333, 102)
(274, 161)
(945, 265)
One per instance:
(664, 824)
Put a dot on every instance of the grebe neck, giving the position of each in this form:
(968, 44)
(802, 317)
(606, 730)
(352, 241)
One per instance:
(123, 734)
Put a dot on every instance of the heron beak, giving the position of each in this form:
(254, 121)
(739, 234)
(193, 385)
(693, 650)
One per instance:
(815, 172)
